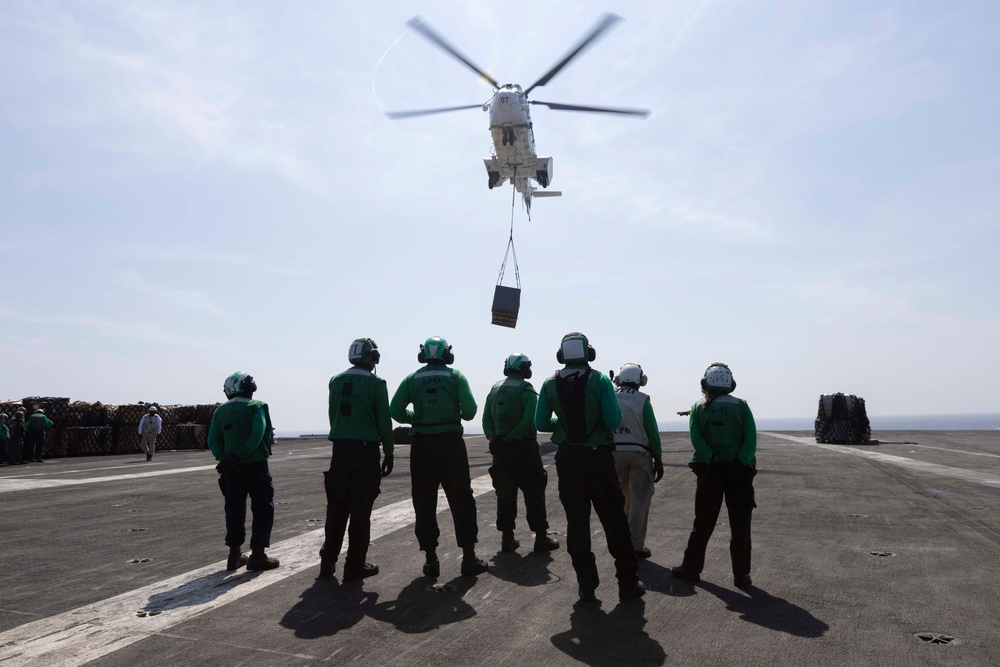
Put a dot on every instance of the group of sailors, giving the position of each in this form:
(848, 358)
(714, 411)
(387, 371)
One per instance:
(608, 458)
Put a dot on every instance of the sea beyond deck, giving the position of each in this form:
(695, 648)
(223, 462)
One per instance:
(862, 555)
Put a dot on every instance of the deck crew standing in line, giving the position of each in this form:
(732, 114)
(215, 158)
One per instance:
(17, 432)
(587, 413)
(441, 399)
(150, 426)
(638, 453)
(34, 439)
(509, 425)
(359, 421)
(240, 438)
(724, 437)
(4, 439)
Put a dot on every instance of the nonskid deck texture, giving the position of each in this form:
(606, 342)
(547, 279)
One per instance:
(863, 554)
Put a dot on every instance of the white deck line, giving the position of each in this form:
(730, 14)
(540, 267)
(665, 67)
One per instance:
(80, 635)
(922, 466)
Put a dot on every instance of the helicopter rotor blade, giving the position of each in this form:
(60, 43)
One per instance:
(424, 29)
(576, 107)
(426, 112)
(606, 22)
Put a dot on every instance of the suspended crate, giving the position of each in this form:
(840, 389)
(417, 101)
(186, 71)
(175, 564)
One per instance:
(507, 300)
(506, 304)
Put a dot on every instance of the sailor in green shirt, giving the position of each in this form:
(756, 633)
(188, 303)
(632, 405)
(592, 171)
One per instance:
(441, 399)
(240, 438)
(724, 437)
(34, 439)
(359, 422)
(587, 413)
(509, 424)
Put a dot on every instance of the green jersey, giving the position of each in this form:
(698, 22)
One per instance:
(359, 408)
(584, 402)
(241, 427)
(723, 429)
(38, 422)
(4, 432)
(441, 399)
(510, 410)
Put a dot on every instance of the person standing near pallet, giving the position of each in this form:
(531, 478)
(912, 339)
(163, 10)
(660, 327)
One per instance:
(638, 453)
(4, 439)
(150, 426)
(509, 425)
(724, 437)
(441, 399)
(587, 413)
(240, 438)
(17, 432)
(359, 421)
(34, 438)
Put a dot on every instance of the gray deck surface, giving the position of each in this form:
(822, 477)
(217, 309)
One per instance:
(69, 595)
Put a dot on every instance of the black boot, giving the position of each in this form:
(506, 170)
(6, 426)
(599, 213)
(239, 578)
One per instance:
(236, 560)
(545, 543)
(508, 542)
(327, 566)
(432, 566)
(259, 561)
(471, 564)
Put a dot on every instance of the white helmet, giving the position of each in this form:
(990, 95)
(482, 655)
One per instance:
(631, 374)
(152, 408)
(237, 383)
(719, 378)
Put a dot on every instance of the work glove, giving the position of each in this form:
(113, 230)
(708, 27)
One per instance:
(657, 471)
(742, 472)
(228, 465)
(387, 465)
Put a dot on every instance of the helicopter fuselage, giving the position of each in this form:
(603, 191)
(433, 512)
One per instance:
(514, 158)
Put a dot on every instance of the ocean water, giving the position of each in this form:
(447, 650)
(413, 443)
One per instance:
(986, 421)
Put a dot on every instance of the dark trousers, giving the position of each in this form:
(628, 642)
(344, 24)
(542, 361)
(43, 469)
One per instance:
(253, 479)
(4, 447)
(738, 494)
(441, 461)
(34, 445)
(518, 465)
(587, 478)
(352, 484)
(16, 445)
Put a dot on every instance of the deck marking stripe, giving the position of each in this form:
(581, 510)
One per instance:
(28, 483)
(922, 466)
(80, 635)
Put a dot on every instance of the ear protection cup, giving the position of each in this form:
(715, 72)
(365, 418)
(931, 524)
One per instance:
(449, 358)
(421, 359)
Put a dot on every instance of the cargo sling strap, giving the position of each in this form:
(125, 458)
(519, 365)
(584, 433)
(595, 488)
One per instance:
(572, 391)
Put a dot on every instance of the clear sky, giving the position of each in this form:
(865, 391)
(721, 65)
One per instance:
(188, 189)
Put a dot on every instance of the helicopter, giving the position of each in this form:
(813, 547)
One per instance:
(514, 158)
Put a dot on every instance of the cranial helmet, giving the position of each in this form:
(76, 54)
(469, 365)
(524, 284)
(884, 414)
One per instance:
(39, 411)
(152, 408)
(575, 349)
(363, 351)
(20, 411)
(718, 378)
(3, 416)
(517, 364)
(435, 350)
(631, 374)
(238, 383)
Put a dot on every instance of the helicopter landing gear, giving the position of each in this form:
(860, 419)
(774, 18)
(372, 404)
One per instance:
(542, 178)
(494, 179)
